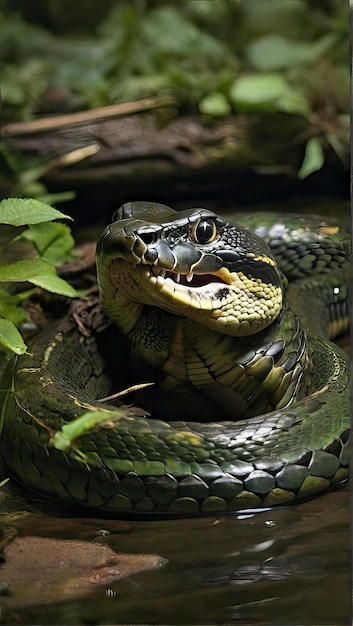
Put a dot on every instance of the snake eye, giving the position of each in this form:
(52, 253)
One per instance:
(204, 231)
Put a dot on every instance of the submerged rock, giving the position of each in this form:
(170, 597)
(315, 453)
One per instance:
(40, 570)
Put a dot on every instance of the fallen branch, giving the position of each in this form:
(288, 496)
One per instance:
(82, 117)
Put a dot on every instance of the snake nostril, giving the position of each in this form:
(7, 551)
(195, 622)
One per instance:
(147, 235)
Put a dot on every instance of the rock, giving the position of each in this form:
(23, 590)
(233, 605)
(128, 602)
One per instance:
(39, 570)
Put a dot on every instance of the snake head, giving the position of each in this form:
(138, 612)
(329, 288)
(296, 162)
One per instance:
(192, 263)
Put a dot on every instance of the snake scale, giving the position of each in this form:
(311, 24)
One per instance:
(249, 404)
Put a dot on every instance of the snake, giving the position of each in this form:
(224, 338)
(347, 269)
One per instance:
(228, 327)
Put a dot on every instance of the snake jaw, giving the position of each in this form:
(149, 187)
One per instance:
(232, 303)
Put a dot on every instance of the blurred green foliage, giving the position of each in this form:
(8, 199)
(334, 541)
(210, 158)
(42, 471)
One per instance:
(212, 56)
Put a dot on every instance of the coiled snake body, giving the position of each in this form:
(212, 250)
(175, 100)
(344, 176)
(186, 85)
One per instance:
(249, 406)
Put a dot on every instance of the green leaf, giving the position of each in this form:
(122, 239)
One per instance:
(60, 196)
(64, 438)
(9, 306)
(55, 284)
(268, 92)
(314, 158)
(274, 52)
(258, 92)
(10, 338)
(339, 145)
(39, 273)
(22, 211)
(293, 101)
(215, 103)
(52, 240)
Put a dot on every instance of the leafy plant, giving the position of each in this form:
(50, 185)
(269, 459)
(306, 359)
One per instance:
(51, 244)
(254, 57)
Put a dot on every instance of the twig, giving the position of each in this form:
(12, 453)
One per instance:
(125, 391)
(61, 121)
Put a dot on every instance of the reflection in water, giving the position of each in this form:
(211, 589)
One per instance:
(288, 566)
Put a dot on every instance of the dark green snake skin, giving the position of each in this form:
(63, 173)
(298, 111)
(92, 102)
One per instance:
(246, 411)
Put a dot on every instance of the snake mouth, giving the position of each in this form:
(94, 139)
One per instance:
(190, 279)
(227, 302)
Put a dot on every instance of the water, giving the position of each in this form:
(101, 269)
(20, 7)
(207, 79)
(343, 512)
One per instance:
(286, 566)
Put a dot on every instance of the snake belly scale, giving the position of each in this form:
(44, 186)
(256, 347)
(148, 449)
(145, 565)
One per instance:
(249, 406)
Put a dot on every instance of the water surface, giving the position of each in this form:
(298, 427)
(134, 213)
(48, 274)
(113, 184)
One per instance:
(286, 566)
